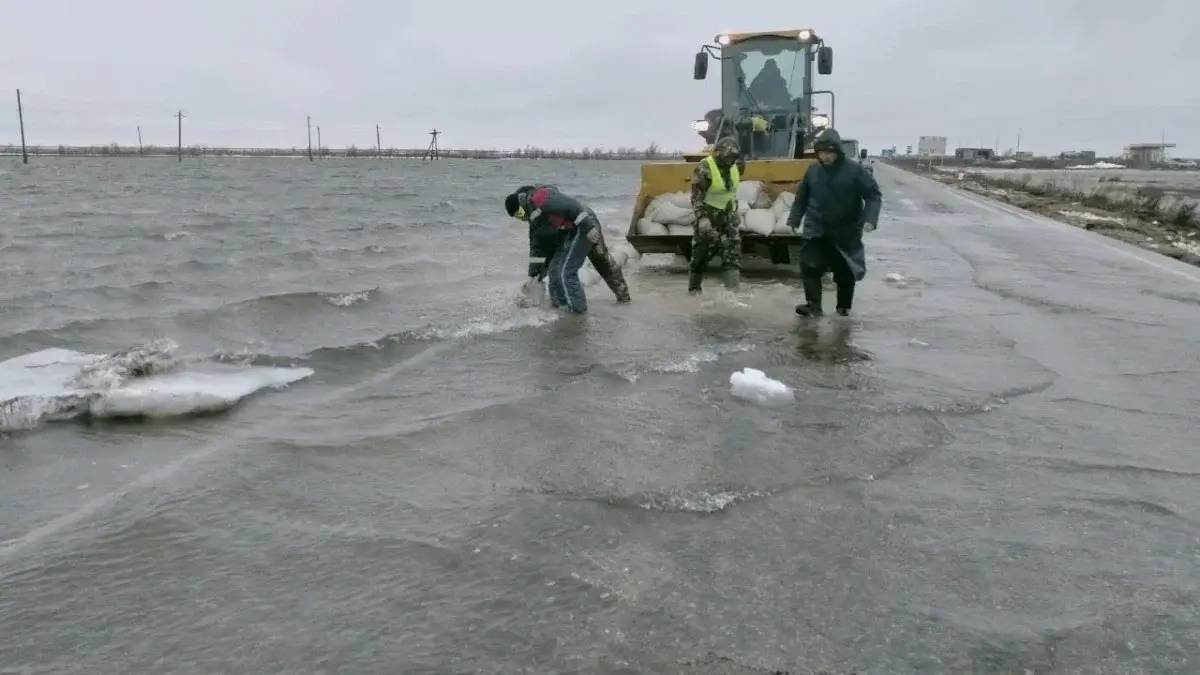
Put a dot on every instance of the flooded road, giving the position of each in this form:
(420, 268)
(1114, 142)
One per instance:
(991, 468)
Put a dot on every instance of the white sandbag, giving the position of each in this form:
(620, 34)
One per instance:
(783, 204)
(681, 199)
(782, 210)
(681, 230)
(588, 276)
(754, 194)
(531, 294)
(665, 209)
(651, 228)
(759, 221)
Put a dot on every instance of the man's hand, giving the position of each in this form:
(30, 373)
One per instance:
(868, 227)
(593, 235)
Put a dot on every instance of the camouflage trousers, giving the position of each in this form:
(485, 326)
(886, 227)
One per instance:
(717, 233)
(608, 269)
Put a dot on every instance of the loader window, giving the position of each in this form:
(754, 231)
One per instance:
(774, 74)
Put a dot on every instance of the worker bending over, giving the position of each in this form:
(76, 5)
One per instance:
(714, 201)
(563, 232)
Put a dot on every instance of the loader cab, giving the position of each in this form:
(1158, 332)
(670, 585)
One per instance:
(766, 91)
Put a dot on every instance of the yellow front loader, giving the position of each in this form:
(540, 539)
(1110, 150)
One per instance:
(767, 105)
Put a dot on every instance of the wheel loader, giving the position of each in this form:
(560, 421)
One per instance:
(767, 105)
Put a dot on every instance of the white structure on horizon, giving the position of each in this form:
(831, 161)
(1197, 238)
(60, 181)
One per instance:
(1148, 153)
(934, 146)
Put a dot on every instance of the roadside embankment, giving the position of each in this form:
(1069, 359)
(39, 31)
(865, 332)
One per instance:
(1159, 211)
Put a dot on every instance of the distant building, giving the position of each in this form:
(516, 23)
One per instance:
(931, 145)
(888, 152)
(1024, 155)
(1147, 153)
(908, 150)
(1079, 155)
(974, 154)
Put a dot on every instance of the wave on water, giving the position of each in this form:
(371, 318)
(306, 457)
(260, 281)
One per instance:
(688, 363)
(143, 381)
(702, 501)
(385, 349)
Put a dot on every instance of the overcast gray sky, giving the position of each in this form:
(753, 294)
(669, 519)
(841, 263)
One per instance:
(1083, 74)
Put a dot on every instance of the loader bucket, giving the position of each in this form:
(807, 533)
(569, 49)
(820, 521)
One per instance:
(778, 175)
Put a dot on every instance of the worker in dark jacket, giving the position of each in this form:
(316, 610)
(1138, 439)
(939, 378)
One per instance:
(836, 201)
(555, 221)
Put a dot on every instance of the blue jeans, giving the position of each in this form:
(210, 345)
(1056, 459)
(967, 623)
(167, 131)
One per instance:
(563, 277)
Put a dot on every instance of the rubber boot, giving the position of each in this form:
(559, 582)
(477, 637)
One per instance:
(845, 298)
(812, 298)
(695, 277)
(733, 279)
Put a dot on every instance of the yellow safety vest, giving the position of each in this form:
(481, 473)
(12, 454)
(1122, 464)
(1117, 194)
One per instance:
(719, 194)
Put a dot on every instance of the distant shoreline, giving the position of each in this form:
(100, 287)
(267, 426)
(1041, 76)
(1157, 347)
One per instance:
(922, 165)
(68, 151)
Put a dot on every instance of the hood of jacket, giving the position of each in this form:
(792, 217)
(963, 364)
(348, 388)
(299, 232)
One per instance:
(829, 139)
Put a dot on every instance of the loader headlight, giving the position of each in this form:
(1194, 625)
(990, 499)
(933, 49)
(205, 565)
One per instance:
(804, 35)
(723, 40)
(700, 125)
(820, 121)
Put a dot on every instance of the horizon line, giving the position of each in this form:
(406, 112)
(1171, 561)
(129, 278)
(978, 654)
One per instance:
(153, 150)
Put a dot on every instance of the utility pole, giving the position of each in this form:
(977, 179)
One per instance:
(320, 148)
(179, 140)
(21, 121)
(140, 152)
(378, 143)
(432, 151)
(1018, 141)
(309, 138)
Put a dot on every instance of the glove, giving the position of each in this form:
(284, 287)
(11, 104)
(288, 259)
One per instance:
(537, 270)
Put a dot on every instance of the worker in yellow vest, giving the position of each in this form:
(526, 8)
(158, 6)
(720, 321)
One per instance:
(714, 201)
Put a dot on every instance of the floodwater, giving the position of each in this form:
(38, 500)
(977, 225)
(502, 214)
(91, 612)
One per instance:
(991, 468)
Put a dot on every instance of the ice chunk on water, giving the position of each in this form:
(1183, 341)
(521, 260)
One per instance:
(143, 381)
(754, 385)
